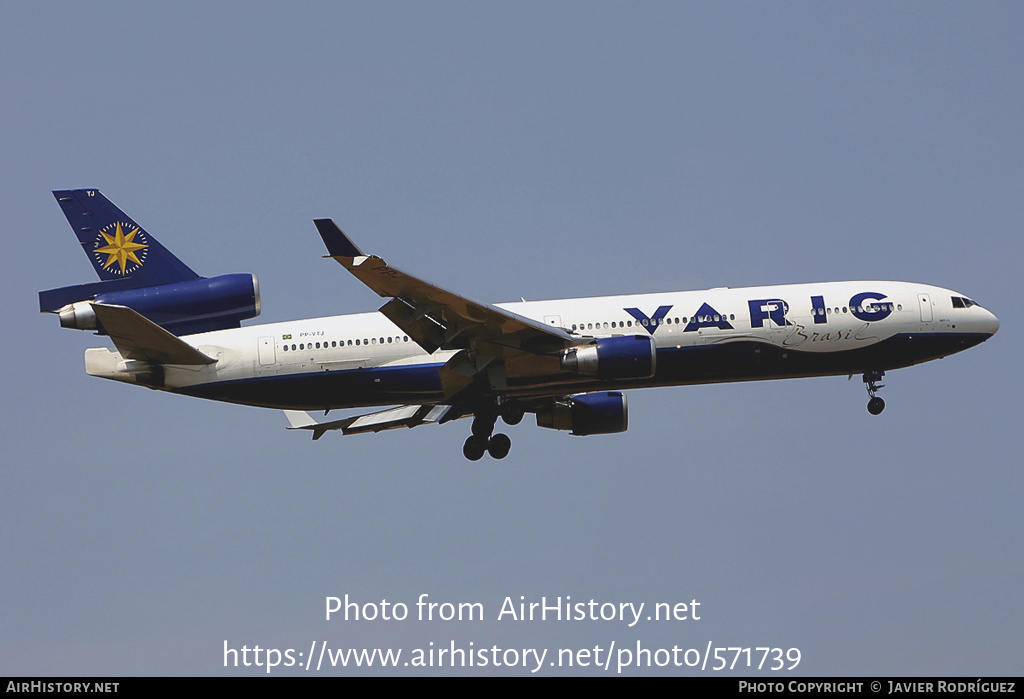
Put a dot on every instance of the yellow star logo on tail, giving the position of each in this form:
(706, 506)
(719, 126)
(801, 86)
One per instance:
(121, 248)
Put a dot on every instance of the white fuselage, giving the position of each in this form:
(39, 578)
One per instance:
(725, 334)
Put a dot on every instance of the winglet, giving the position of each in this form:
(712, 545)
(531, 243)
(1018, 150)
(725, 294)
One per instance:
(298, 419)
(301, 420)
(338, 244)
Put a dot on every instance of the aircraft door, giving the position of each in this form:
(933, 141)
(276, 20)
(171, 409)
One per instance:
(925, 303)
(773, 326)
(266, 352)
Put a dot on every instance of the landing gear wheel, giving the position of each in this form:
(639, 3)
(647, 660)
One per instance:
(512, 412)
(871, 382)
(474, 448)
(483, 425)
(498, 446)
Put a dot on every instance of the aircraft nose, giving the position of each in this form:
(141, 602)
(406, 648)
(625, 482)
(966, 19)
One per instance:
(987, 323)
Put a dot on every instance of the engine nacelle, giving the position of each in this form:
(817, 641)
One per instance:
(195, 306)
(629, 357)
(587, 413)
(78, 316)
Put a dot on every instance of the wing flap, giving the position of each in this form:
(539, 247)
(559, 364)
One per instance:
(424, 331)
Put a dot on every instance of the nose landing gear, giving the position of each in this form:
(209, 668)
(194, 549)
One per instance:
(871, 378)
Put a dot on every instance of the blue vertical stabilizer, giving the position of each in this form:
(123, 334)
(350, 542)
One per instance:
(118, 247)
(136, 271)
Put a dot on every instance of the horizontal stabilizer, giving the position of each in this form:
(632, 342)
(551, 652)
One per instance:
(392, 418)
(138, 338)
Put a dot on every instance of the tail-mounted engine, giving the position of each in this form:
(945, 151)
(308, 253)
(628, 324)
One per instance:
(183, 308)
(586, 413)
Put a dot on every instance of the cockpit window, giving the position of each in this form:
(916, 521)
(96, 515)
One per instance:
(961, 302)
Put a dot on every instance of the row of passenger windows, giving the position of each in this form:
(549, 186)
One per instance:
(650, 322)
(344, 343)
(873, 308)
(958, 302)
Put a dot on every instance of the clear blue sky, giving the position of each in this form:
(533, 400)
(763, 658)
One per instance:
(537, 150)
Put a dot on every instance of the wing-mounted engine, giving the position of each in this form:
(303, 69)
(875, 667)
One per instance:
(629, 357)
(586, 413)
(182, 308)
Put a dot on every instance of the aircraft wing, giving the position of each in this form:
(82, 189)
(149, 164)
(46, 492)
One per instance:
(392, 418)
(440, 319)
(137, 337)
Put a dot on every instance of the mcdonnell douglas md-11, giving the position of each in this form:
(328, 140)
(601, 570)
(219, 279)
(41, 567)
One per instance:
(438, 356)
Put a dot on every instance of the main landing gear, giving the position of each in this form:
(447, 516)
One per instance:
(482, 440)
(871, 378)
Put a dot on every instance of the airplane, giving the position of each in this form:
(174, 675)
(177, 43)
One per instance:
(438, 356)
